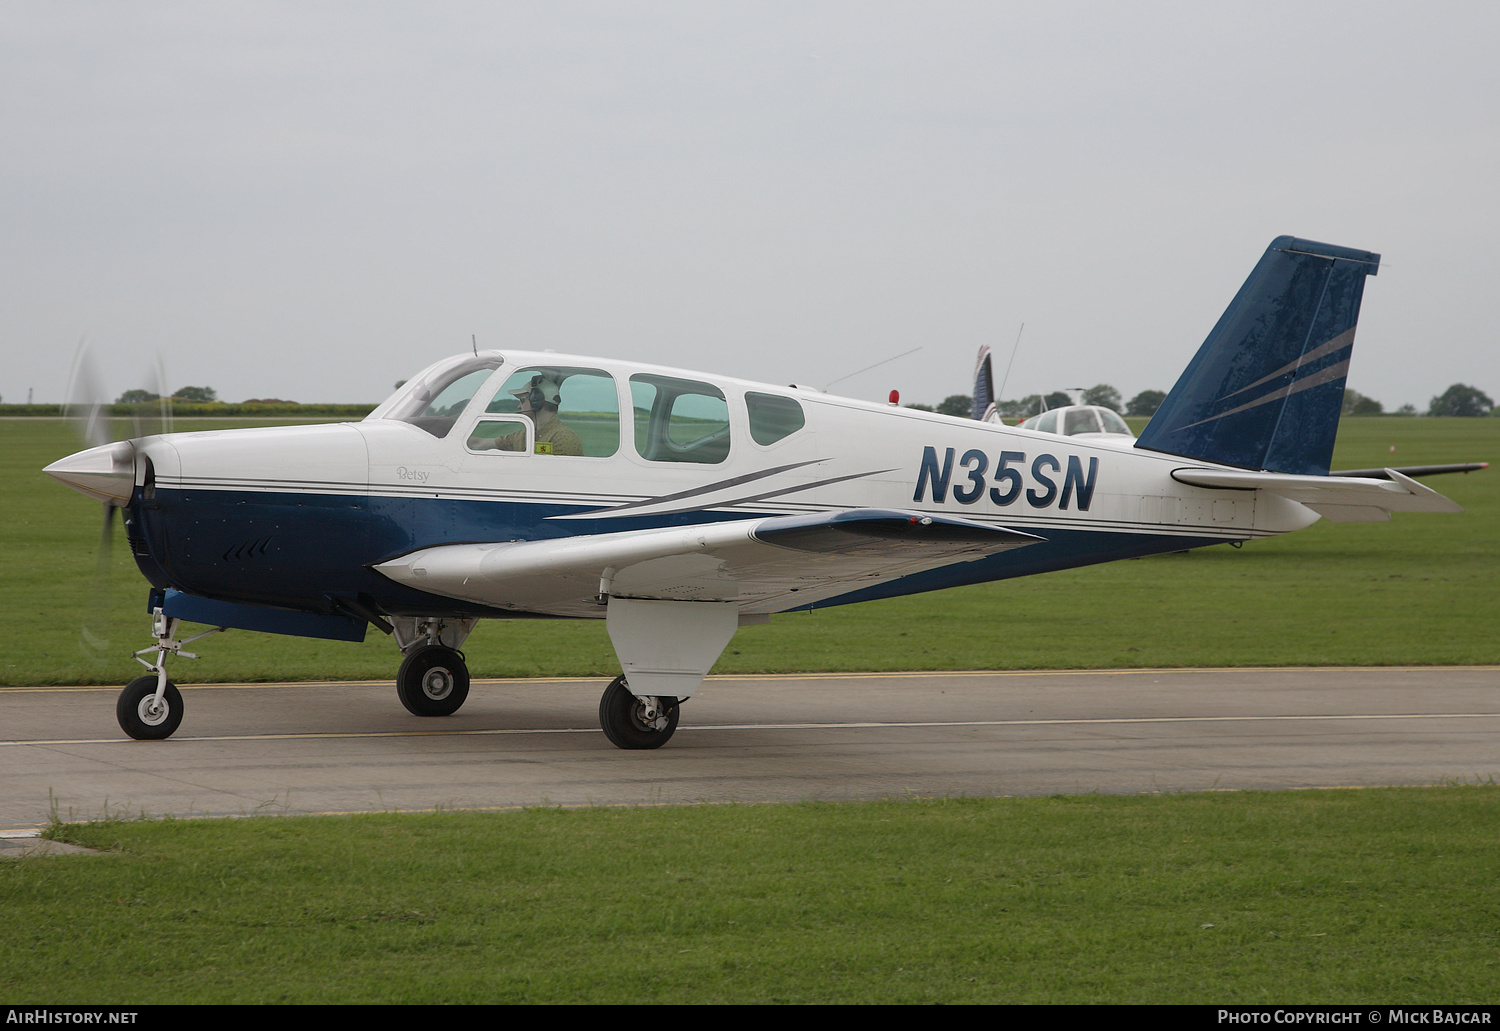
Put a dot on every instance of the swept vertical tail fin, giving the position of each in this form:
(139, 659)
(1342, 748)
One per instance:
(1266, 388)
(984, 384)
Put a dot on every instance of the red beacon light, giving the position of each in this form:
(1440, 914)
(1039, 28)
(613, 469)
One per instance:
(895, 397)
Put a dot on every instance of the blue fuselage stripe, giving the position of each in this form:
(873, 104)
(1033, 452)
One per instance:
(301, 549)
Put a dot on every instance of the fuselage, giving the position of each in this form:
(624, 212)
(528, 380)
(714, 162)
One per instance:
(679, 505)
(297, 516)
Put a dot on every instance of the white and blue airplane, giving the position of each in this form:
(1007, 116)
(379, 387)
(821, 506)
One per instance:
(678, 506)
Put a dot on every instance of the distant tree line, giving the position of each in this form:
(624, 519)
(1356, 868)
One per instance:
(1461, 399)
(962, 405)
(1356, 403)
(1458, 400)
(195, 395)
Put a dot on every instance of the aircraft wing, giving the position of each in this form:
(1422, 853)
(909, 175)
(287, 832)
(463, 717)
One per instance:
(1339, 499)
(765, 565)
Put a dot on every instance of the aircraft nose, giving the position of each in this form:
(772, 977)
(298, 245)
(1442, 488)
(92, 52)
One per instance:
(105, 473)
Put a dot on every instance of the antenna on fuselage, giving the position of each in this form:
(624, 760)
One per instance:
(1000, 394)
(867, 368)
(474, 343)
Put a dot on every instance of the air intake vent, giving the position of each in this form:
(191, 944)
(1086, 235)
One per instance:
(247, 550)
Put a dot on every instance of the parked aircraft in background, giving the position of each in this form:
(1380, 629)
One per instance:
(1092, 421)
(680, 505)
(1097, 422)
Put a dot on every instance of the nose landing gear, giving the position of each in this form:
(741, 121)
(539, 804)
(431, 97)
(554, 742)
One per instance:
(150, 707)
(145, 716)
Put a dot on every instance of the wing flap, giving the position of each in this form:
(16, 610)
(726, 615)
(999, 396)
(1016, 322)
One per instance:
(765, 565)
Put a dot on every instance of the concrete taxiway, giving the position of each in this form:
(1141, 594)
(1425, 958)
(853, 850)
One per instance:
(351, 747)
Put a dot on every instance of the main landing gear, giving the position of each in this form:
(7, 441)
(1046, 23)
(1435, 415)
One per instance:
(150, 707)
(631, 722)
(433, 679)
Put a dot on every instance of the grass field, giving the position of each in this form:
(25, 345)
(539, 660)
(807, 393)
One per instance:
(1380, 895)
(1420, 589)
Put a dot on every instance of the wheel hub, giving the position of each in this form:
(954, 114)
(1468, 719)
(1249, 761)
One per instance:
(649, 714)
(437, 683)
(153, 713)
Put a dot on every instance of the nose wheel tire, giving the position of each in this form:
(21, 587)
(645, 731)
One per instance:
(433, 681)
(142, 716)
(631, 722)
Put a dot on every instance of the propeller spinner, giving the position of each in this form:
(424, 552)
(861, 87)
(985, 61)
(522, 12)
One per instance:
(105, 473)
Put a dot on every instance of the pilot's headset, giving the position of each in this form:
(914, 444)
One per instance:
(541, 391)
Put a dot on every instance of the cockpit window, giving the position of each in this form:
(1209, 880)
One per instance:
(436, 401)
(678, 420)
(502, 435)
(1112, 422)
(576, 411)
(773, 417)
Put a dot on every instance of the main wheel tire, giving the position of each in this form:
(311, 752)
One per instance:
(433, 681)
(139, 715)
(629, 722)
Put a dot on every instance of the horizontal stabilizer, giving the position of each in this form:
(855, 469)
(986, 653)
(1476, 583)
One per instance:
(1414, 470)
(765, 565)
(1339, 499)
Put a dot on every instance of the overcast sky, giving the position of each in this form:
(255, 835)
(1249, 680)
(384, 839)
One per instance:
(313, 200)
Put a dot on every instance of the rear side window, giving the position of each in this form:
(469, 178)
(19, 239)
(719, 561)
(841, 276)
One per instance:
(678, 420)
(773, 417)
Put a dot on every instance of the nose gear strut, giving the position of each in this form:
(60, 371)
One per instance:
(150, 707)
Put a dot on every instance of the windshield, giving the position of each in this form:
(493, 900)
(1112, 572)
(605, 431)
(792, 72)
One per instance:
(434, 401)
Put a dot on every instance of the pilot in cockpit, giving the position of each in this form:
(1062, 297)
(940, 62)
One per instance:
(539, 400)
